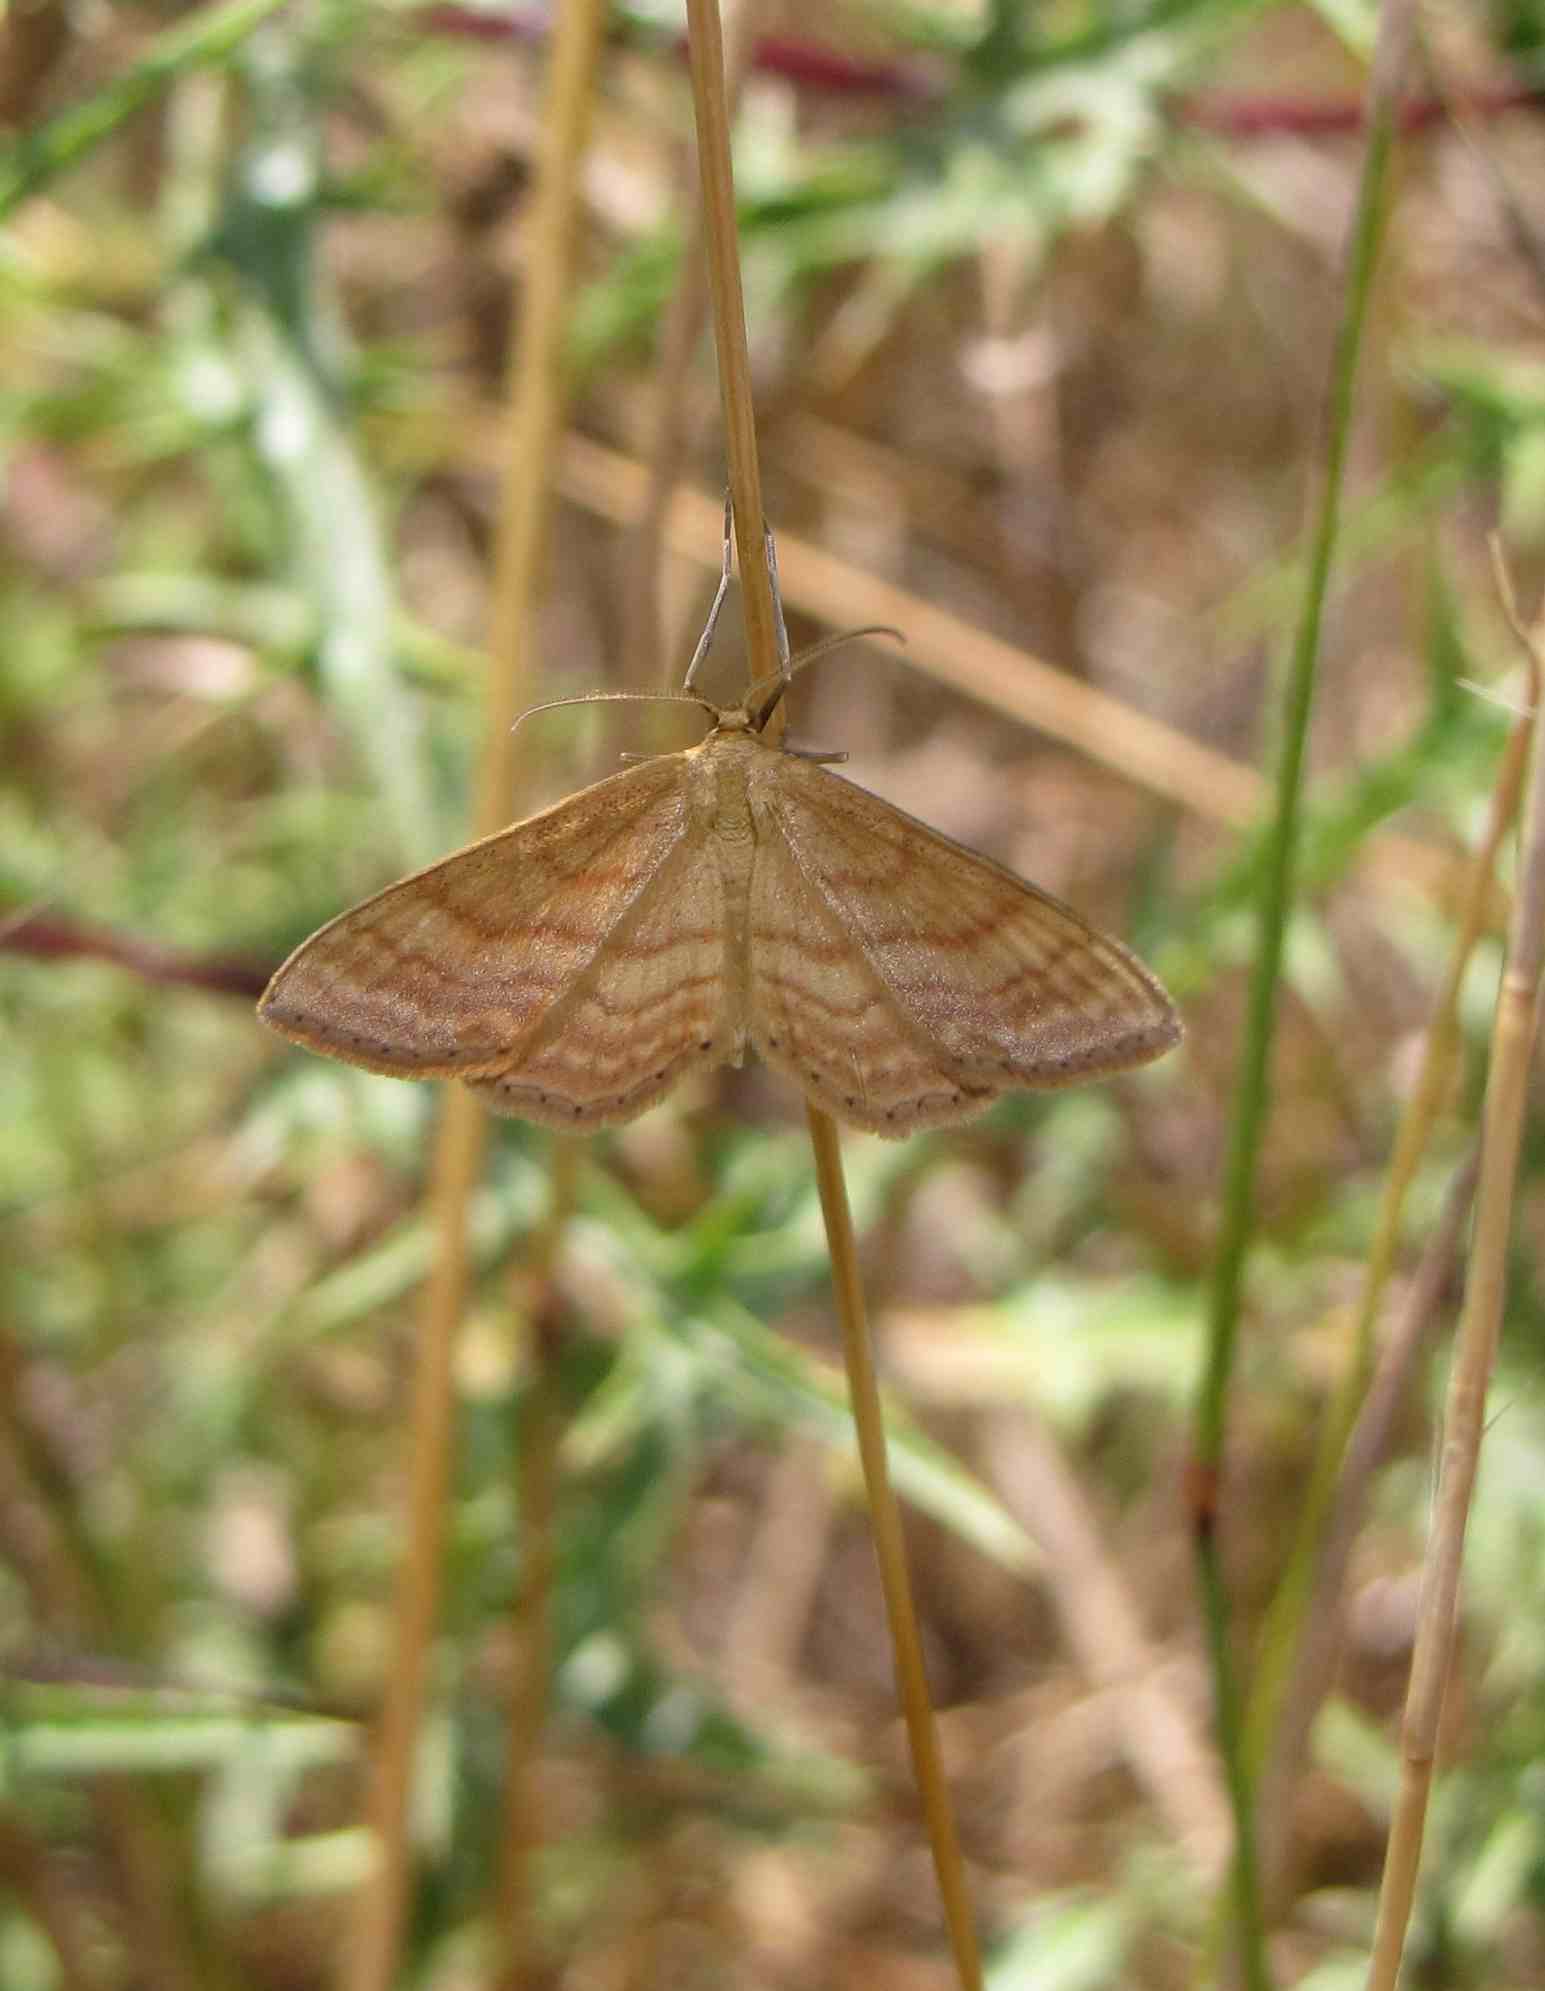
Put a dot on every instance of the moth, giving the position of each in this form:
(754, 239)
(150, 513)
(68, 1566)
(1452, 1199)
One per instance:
(573, 968)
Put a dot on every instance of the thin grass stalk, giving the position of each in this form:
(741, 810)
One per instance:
(891, 1553)
(1288, 1682)
(673, 410)
(1513, 1036)
(535, 408)
(1165, 1743)
(710, 105)
(530, 1696)
(1322, 1641)
(41, 1535)
(369, 1960)
(65, 1581)
(706, 61)
(541, 1428)
(34, 158)
(1274, 906)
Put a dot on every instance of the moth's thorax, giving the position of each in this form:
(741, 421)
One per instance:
(722, 778)
(722, 774)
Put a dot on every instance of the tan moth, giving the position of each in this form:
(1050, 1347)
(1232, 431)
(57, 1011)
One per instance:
(573, 968)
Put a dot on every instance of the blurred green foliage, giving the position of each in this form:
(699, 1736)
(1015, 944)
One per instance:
(239, 691)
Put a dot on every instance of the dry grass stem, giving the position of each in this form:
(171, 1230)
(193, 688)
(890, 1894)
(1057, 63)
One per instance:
(541, 1430)
(891, 1552)
(37, 1533)
(1512, 1049)
(43, 1547)
(982, 667)
(1366, 1450)
(370, 1960)
(708, 94)
(672, 411)
(987, 669)
(944, 646)
(1166, 1752)
(1291, 1678)
(721, 240)
(781, 1572)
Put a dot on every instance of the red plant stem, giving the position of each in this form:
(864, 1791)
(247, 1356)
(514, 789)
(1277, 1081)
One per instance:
(834, 72)
(1334, 117)
(48, 939)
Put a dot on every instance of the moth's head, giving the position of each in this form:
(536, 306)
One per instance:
(756, 707)
(761, 701)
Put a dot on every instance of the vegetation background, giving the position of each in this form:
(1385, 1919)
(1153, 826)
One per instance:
(1041, 301)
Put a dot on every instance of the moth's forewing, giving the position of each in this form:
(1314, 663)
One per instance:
(445, 974)
(906, 981)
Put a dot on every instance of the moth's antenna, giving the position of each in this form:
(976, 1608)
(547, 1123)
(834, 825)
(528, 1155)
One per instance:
(780, 682)
(841, 636)
(621, 698)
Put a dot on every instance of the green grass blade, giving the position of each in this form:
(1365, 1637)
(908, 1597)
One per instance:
(1251, 1097)
(27, 165)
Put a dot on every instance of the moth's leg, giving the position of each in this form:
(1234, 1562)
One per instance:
(785, 670)
(815, 754)
(761, 708)
(705, 641)
(777, 601)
